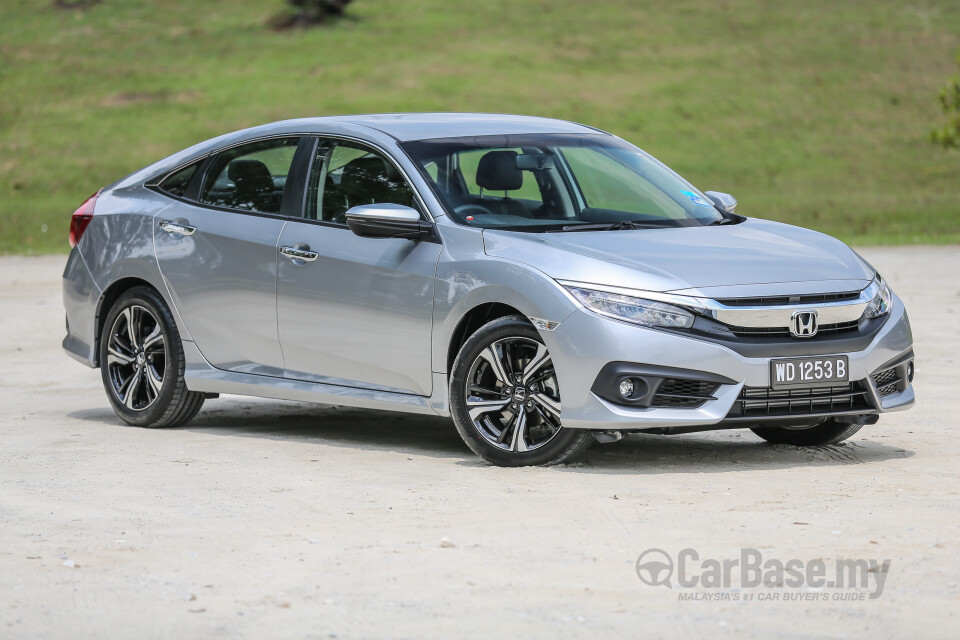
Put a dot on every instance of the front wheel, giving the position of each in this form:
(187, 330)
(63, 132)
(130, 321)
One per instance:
(827, 432)
(142, 362)
(505, 399)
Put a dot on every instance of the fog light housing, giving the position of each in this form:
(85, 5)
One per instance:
(626, 387)
(910, 371)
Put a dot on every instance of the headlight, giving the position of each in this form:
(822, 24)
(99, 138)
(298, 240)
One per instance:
(636, 310)
(881, 303)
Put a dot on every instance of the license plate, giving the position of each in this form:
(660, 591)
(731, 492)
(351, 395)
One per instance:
(808, 372)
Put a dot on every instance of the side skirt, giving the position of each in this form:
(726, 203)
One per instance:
(201, 376)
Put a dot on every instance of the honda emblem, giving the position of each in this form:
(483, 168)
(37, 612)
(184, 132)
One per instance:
(803, 324)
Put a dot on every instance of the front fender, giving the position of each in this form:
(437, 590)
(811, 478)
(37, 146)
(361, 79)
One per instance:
(467, 278)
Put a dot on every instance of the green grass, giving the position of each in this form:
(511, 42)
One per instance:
(815, 113)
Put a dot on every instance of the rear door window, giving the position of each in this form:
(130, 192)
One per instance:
(251, 177)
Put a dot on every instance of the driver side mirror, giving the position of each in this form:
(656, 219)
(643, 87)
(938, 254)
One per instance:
(387, 221)
(724, 201)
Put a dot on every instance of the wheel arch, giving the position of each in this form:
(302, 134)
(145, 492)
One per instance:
(107, 299)
(489, 290)
(473, 320)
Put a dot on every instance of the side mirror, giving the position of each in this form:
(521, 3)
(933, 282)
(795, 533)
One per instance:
(387, 221)
(724, 201)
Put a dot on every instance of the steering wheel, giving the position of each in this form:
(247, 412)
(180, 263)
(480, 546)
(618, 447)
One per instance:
(465, 209)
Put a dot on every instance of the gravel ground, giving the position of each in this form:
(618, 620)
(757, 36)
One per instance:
(272, 519)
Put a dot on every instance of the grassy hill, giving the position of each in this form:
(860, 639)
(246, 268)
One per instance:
(814, 113)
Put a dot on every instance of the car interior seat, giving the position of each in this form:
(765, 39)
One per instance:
(497, 171)
(255, 187)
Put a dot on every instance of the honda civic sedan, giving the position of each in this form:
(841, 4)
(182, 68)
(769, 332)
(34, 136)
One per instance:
(543, 283)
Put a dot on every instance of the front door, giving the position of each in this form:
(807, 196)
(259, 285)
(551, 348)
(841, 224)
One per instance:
(360, 312)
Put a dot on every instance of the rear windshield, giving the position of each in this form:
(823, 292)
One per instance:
(536, 182)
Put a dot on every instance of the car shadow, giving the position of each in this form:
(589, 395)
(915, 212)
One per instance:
(704, 452)
(732, 450)
(317, 424)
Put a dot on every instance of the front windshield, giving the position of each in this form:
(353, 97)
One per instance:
(544, 182)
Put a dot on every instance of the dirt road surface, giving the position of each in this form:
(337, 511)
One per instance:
(266, 519)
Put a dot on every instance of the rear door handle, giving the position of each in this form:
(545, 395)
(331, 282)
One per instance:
(300, 252)
(177, 227)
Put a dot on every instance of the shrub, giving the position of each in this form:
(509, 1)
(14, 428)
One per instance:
(308, 13)
(949, 134)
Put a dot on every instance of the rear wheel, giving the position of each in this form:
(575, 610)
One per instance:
(505, 399)
(142, 363)
(827, 432)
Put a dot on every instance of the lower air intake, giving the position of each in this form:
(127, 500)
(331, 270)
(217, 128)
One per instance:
(888, 382)
(764, 402)
(679, 393)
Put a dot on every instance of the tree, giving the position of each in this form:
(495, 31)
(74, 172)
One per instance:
(949, 134)
(308, 13)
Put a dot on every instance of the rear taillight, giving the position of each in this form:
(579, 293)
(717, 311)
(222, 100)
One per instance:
(81, 218)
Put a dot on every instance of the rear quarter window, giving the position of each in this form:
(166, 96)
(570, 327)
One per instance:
(176, 183)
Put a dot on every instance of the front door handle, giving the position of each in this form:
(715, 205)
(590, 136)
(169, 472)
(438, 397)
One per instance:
(301, 251)
(177, 227)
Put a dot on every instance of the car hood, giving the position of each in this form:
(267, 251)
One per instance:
(755, 257)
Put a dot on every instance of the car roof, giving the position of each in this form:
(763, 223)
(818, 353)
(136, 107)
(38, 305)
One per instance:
(420, 126)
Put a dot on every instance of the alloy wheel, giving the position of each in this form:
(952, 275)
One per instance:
(512, 395)
(136, 358)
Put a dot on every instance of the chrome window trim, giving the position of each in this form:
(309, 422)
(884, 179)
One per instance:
(154, 183)
(156, 180)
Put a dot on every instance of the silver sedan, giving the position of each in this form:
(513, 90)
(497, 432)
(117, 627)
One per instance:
(545, 284)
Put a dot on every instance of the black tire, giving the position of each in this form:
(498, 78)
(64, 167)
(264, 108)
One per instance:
(827, 432)
(145, 401)
(541, 439)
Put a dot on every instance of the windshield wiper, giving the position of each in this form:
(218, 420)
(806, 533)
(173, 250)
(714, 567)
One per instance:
(624, 225)
(723, 221)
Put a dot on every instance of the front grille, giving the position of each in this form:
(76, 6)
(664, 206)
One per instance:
(764, 402)
(683, 394)
(780, 301)
(888, 382)
(784, 332)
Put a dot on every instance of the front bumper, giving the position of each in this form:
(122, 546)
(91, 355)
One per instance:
(585, 343)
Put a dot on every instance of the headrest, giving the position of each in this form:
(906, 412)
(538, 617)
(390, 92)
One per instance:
(498, 171)
(250, 175)
(366, 176)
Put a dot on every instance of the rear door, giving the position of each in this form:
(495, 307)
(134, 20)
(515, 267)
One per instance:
(217, 249)
(360, 312)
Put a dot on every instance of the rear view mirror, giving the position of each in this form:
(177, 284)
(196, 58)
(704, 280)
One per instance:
(534, 161)
(387, 221)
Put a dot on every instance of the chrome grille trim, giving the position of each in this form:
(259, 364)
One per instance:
(802, 299)
(778, 316)
(784, 332)
(742, 315)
